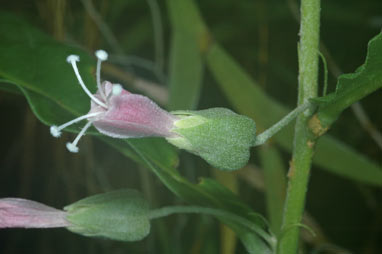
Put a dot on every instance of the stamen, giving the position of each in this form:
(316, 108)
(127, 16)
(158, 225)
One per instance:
(72, 147)
(101, 56)
(117, 89)
(56, 130)
(72, 59)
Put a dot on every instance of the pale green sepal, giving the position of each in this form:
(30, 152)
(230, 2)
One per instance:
(119, 215)
(218, 135)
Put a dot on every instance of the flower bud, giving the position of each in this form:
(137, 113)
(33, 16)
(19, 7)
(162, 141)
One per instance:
(118, 215)
(218, 135)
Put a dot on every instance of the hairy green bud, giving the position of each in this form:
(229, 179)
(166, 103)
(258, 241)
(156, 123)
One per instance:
(218, 135)
(119, 215)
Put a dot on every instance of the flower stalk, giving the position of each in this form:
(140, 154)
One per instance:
(270, 132)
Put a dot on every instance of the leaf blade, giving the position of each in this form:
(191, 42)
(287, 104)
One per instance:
(352, 87)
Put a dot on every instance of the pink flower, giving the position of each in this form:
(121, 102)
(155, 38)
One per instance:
(118, 113)
(22, 213)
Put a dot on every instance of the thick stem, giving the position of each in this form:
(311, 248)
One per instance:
(304, 140)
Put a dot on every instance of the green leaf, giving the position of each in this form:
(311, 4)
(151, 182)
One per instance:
(249, 99)
(186, 63)
(118, 215)
(210, 193)
(352, 87)
(31, 59)
(8, 86)
(225, 196)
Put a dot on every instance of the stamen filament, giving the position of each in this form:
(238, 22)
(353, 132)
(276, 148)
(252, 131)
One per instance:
(73, 61)
(56, 130)
(101, 56)
(72, 147)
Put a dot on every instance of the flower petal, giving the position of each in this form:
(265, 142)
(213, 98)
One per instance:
(22, 213)
(132, 115)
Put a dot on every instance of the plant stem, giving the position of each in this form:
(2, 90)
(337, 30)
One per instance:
(304, 140)
(267, 134)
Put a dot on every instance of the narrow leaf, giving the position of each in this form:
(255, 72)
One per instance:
(186, 63)
(352, 87)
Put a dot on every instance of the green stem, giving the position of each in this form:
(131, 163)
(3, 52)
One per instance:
(264, 136)
(169, 210)
(304, 140)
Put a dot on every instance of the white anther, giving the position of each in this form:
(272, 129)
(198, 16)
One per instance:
(72, 58)
(55, 131)
(117, 89)
(101, 55)
(71, 147)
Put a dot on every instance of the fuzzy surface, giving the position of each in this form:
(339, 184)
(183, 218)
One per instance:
(119, 215)
(221, 137)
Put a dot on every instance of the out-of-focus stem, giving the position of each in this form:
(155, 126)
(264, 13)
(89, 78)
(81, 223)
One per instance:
(275, 184)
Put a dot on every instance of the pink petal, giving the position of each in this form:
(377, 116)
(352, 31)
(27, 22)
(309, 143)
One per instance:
(22, 213)
(132, 115)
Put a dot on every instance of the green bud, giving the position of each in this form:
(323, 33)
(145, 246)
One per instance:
(218, 135)
(119, 215)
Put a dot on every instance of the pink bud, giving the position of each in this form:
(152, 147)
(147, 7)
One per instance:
(118, 113)
(22, 213)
